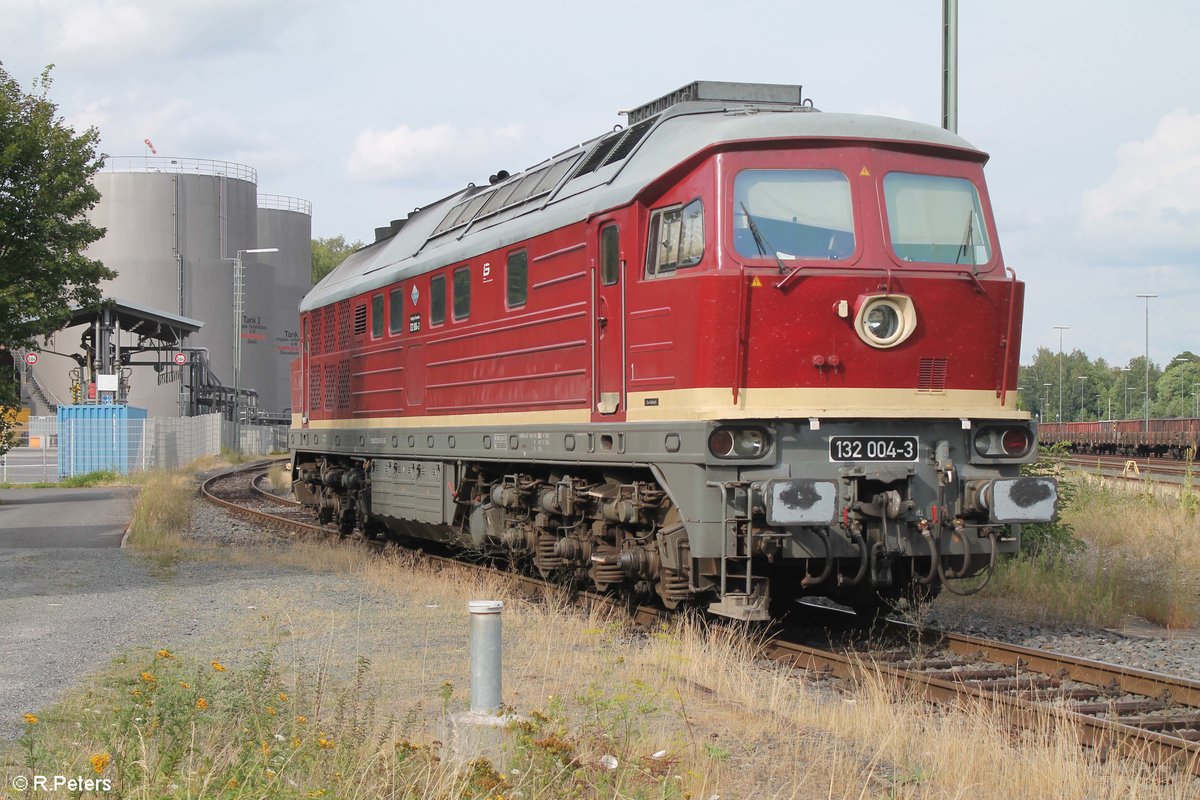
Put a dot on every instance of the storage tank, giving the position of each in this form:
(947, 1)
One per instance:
(169, 224)
(274, 288)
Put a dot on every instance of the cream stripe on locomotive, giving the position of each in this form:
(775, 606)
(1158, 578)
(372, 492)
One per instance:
(825, 403)
(716, 403)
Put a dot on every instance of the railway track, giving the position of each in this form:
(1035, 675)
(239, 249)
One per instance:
(1154, 470)
(1137, 713)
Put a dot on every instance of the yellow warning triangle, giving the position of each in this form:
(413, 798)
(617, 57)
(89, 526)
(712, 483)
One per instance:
(863, 173)
(756, 283)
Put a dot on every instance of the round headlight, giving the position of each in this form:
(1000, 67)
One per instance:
(721, 443)
(739, 442)
(882, 321)
(750, 443)
(1015, 441)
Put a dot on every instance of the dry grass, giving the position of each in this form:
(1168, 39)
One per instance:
(732, 725)
(280, 477)
(162, 513)
(1139, 556)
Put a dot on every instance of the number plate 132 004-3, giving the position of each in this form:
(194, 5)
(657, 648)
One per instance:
(873, 448)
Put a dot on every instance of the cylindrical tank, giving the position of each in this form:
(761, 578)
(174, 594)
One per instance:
(274, 287)
(173, 227)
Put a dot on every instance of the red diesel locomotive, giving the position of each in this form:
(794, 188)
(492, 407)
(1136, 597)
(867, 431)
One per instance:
(737, 352)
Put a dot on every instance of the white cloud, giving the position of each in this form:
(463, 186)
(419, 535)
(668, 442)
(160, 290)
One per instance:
(407, 153)
(1149, 208)
(125, 32)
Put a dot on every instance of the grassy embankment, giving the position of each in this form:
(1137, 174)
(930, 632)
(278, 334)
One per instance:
(1121, 549)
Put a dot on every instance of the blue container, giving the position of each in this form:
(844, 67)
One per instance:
(92, 437)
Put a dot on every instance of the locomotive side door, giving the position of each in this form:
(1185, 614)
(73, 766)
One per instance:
(608, 323)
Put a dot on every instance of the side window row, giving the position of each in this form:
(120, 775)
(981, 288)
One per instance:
(516, 294)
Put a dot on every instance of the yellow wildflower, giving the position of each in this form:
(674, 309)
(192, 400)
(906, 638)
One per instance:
(218, 666)
(100, 762)
(232, 783)
(136, 692)
(183, 685)
(270, 711)
(266, 748)
(283, 697)
(303, 720)
(295, 742)
(326, 744)
(201, 704)
(165, 654)
(148, 678)
(31, 719)
(270, 774)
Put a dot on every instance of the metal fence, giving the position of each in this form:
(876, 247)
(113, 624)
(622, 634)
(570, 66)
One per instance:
(50, 451)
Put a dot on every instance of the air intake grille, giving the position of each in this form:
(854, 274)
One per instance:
(343, 385)
(599, 153)
(330, 386)
(360, 320)
(328, 329)
(632, 137)
(314, 389)
(931, 375)
(343, 324)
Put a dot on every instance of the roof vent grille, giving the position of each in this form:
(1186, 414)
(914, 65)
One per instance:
(722, 91)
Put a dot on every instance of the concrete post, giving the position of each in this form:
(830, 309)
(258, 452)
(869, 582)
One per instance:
(486, 655)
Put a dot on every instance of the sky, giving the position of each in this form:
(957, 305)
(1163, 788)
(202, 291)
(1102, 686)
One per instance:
(1089, 110)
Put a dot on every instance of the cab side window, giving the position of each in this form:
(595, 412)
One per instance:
(676, 238)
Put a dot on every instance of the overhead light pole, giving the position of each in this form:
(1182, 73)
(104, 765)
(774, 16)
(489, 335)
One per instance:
(1125, 383)
(239, 294)
(1045, 398)
(1060, 329)
(1146, 404)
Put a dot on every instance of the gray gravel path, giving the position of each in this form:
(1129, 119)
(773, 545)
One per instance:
(67, 612)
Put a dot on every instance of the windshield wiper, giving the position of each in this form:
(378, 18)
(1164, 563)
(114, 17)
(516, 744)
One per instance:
(968, 239)
(760, 241)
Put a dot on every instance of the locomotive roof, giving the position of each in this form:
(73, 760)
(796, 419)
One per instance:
(604, 173)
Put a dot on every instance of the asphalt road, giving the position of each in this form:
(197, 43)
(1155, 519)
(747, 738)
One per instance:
(53, 518)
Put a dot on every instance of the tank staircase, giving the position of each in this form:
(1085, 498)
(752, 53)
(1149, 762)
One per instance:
(37, 396)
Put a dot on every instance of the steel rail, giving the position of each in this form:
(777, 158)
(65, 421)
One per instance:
(1032, 670)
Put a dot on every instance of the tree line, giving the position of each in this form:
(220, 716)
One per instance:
(1092, 390)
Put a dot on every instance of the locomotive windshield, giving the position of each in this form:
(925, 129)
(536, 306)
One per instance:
(935, 219)
(787, 214)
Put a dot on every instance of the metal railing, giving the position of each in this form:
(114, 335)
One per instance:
(181, 166)
(282, 202)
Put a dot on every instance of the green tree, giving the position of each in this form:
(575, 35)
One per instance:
(46, 169)
(1176, 388)
(328, 253)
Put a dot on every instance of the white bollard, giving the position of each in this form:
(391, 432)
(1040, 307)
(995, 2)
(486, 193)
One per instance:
(486, 655)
